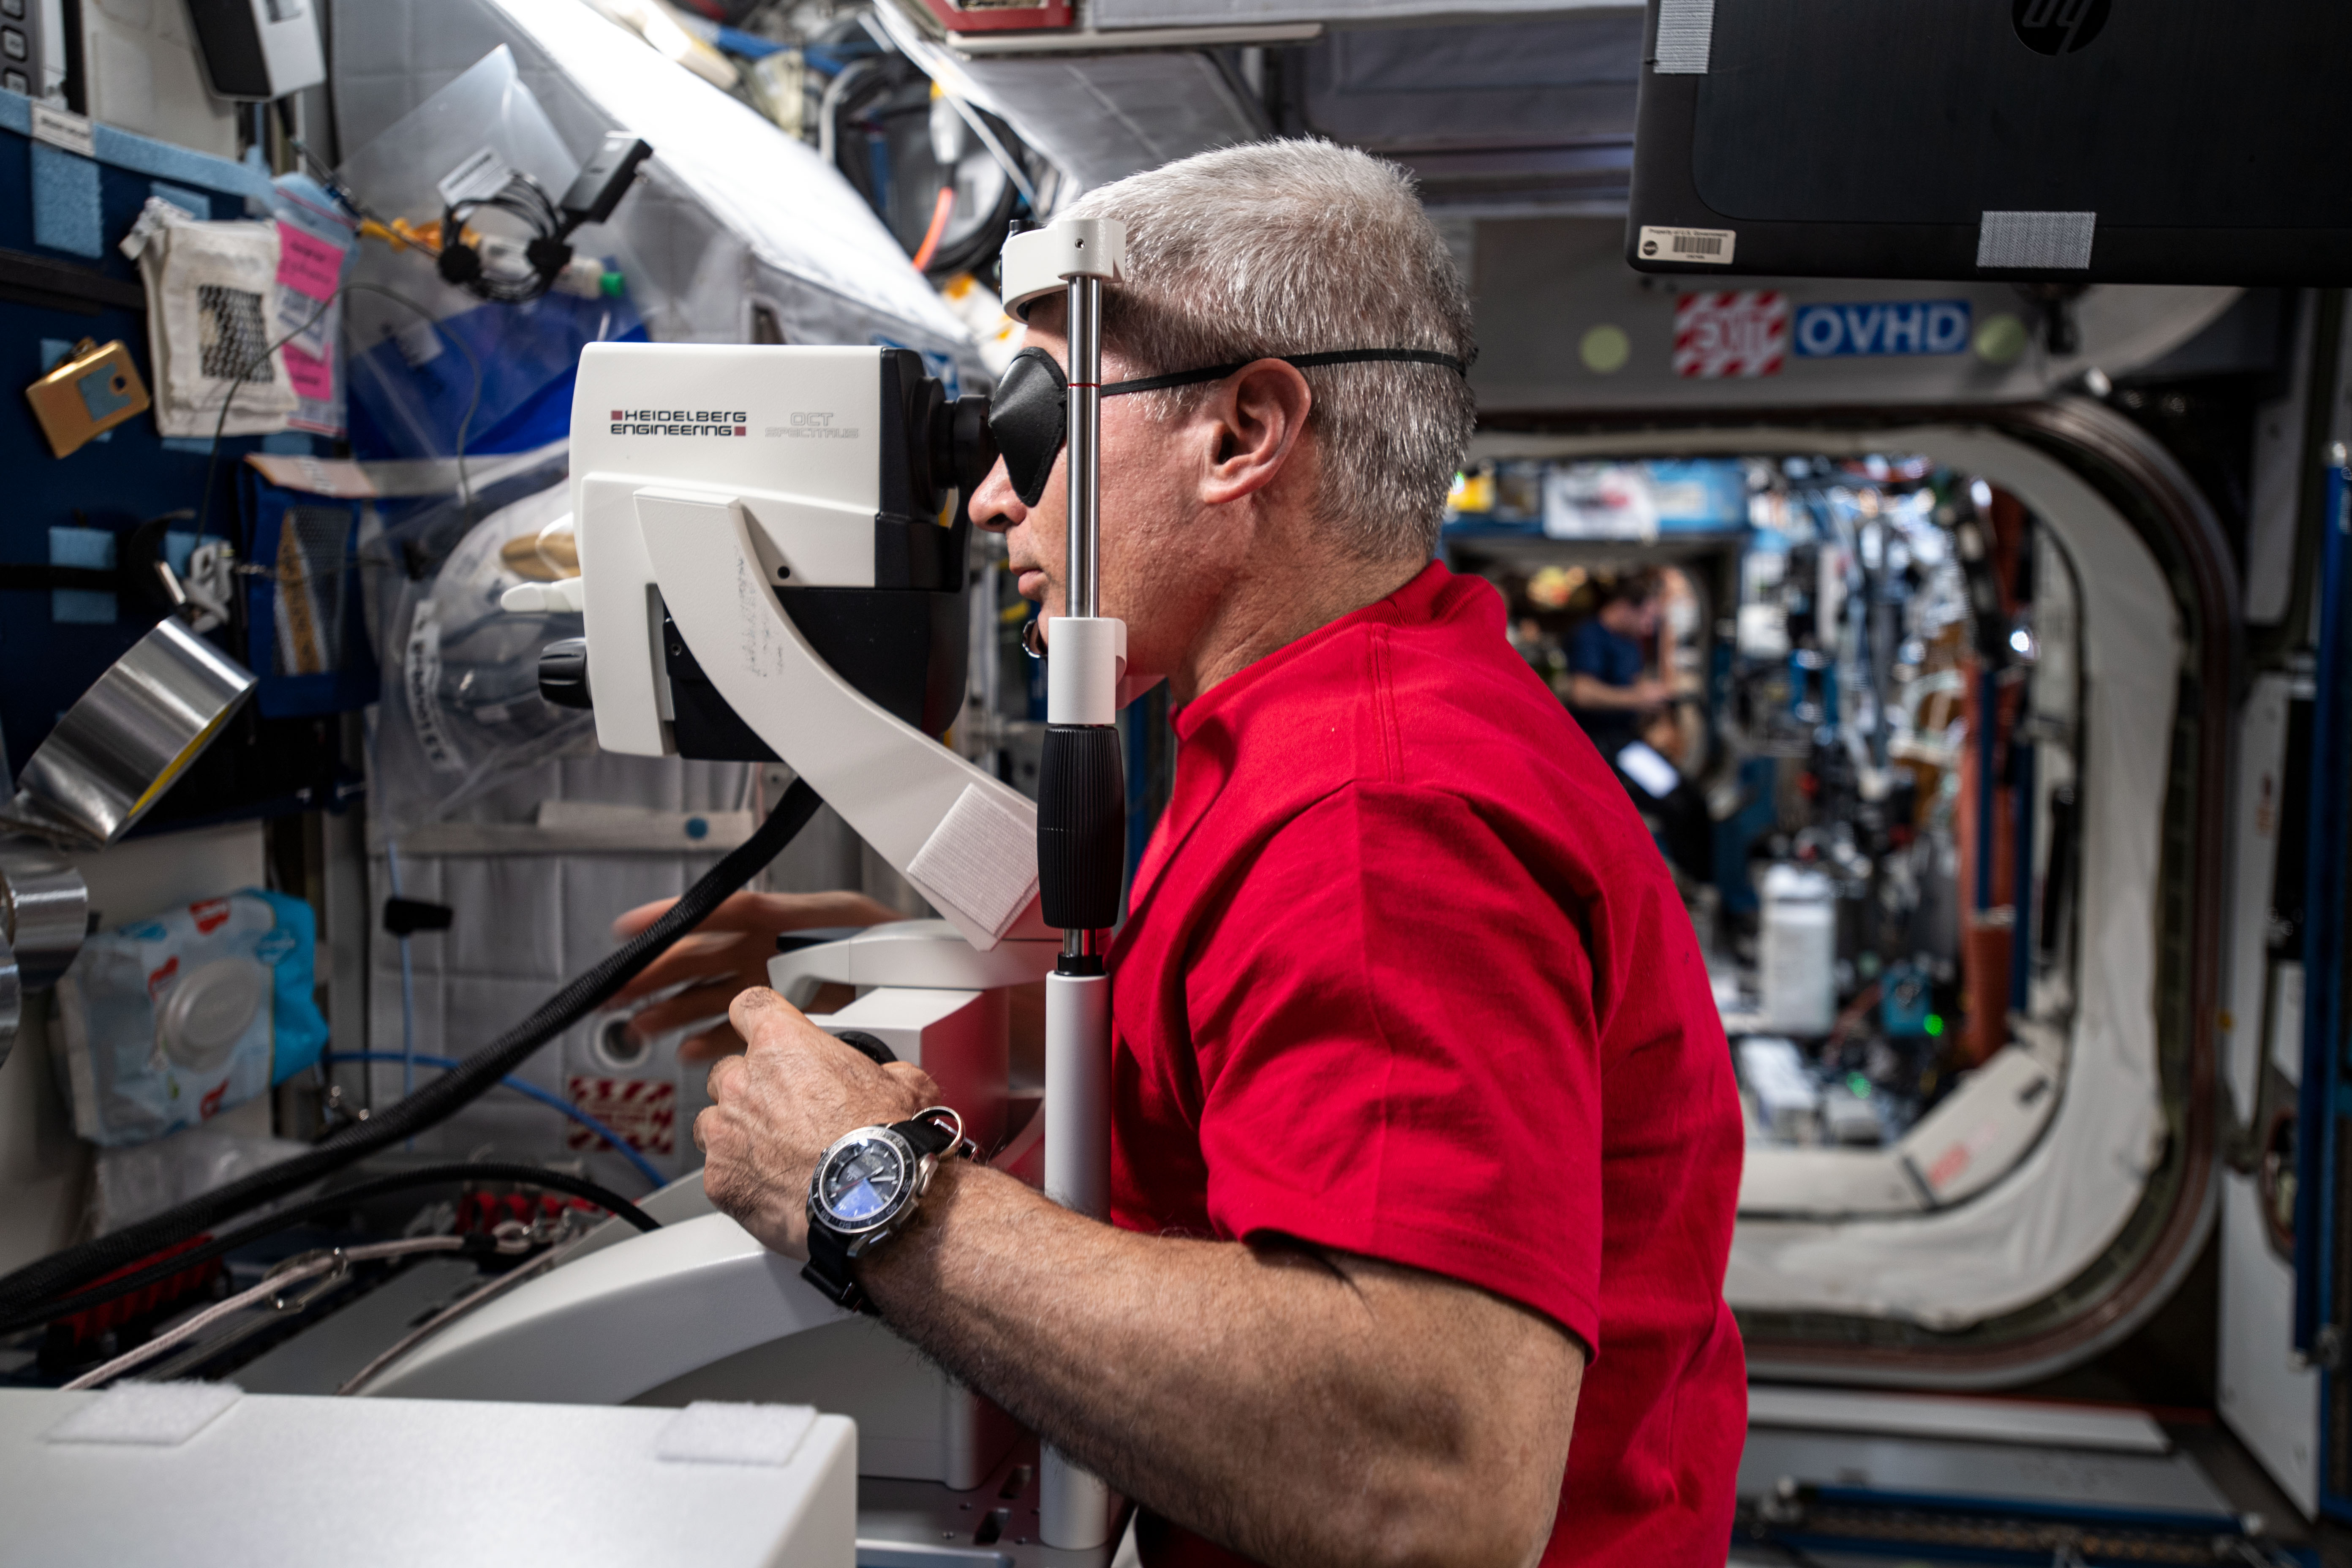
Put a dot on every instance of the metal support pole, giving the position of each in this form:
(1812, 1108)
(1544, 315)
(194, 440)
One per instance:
(1084, 576)
(1085, 796)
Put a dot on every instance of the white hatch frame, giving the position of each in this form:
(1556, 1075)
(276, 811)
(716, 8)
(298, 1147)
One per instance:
(2051, 1213)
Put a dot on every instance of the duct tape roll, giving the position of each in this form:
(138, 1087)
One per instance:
(44, 911)
(131, 735)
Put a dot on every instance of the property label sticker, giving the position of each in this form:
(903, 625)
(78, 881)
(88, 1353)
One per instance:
(337, 477)
(307, 264)
(478, 178)
(1713, 245)
(60, 128)
(1883, 327)
(310, 375)
(1735, 334)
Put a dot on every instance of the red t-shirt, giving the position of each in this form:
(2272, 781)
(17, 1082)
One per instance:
(1405, 977)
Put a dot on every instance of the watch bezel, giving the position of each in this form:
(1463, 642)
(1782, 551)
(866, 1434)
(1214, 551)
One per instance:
(910, 1187)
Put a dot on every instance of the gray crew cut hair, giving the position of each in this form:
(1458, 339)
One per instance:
(1302, 247)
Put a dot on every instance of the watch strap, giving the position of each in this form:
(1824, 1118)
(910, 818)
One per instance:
(829, 1258)
(927, 1136)
(828, 1269)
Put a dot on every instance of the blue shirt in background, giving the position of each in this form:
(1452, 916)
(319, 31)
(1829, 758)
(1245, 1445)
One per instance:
(1613, 660)
(1608, 657)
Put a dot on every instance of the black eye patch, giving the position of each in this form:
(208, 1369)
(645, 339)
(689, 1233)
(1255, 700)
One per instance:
(1027, 416)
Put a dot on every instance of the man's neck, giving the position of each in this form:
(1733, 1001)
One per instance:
(1269, 610)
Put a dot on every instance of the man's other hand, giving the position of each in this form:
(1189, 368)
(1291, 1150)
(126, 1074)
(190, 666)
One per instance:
(777, 1107)
(724, 956)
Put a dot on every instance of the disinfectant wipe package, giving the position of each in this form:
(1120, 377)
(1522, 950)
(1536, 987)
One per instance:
(172, 1020)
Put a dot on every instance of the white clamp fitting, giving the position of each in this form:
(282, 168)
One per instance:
(1085, 658)
(1043, 260)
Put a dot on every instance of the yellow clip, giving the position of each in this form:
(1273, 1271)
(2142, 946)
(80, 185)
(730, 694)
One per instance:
(402, 234)
(94, 390)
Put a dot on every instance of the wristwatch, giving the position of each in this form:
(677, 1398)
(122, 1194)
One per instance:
(868, 1187)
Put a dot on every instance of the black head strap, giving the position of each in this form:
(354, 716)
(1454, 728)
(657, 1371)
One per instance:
(1028, 414)
(1303, 361)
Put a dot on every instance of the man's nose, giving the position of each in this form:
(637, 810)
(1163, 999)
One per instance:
(994, 506)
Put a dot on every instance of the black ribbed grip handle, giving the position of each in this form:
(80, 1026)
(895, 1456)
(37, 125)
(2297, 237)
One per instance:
(1081, 827)
(563, 673)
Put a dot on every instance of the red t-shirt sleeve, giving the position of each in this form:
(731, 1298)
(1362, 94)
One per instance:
(1397, 1055)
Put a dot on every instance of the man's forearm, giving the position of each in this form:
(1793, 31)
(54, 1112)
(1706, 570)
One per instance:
(1258, 1395)
(1590, 692)
(1301, 1407)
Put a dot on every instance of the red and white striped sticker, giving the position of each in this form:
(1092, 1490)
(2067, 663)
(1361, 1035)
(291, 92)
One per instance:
(643, 1110)
(1732, 332)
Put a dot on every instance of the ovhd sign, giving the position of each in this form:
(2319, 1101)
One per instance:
(1882, 327)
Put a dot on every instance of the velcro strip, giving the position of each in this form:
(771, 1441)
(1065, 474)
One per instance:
(709, 1433)
(1685, 35)
(152, 1414)
(982, 859)
(2040, 241)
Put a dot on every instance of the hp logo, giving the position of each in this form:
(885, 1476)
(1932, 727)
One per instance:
(2058, 26)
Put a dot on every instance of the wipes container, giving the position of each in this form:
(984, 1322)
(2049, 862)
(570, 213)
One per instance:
(171, 1021)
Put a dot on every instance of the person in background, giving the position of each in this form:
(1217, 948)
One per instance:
(1610, 690)
(1629, 716)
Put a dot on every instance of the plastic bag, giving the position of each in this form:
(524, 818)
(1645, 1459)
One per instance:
(171, 1021)
(412, 374)
(132, 1184)
(307, 637)
(461, 711)
(315, 237)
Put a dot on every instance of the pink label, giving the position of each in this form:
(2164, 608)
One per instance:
(311, 378)
(307, 264)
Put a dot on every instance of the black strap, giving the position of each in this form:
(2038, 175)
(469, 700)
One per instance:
(33, 577)
(828, 1269)
(1303, 361)
(928, 1137)
(865, 1045)
(829, 1265)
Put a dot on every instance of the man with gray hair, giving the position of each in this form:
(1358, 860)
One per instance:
(1425, 1144)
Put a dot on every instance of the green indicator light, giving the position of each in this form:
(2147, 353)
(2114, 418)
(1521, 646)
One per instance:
(1857, 1085)
(1935, 1025)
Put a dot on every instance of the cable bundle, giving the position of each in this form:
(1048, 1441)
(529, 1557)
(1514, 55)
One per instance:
(523, 199)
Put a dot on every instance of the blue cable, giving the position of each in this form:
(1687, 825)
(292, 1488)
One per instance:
(408, 988)
(751, 47)
(645, 1167)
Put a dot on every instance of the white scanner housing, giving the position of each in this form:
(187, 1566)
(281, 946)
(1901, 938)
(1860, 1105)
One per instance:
(766, 571)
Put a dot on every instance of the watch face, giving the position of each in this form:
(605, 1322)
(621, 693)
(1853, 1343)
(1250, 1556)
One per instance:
(861, 1183)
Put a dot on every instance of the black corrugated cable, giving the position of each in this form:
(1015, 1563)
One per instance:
(25, 1293)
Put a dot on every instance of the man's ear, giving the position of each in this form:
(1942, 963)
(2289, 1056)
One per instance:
(1255, 418)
